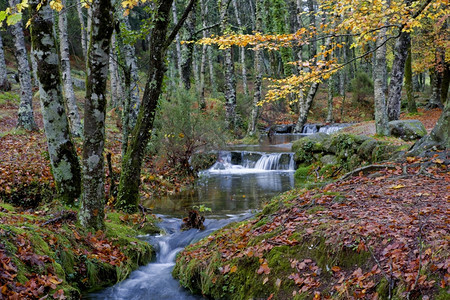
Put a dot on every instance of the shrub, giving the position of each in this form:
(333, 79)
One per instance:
(362, 87)
(183, 128)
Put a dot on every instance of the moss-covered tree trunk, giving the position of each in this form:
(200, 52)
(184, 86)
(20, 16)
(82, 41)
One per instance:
(63, 157)
(128, 194)
(26, 115)
(93, 196)
(412, 108)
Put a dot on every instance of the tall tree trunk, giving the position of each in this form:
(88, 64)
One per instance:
(93, 199)
(63, 157)
(306, 103)
(26, 116)
(230, 80)
(412, 108)
(241, 49)
(35, 81)
(398, 70)
(130, 61)
(71, 101)
(83, 32)
(114, 81)
(436, 85)
(177, 42)
(379, 74)
(258, 74)
(188, 50)
(330, 118)
(4, 83)
(203, 12)
(128, 194)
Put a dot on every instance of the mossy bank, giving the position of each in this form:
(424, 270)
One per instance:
(47, 248)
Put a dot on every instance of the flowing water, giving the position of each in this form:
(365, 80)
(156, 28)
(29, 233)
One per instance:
(243, 178)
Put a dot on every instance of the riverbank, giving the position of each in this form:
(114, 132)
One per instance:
(379, 235)
(46, 252)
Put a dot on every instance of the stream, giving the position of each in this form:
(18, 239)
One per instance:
(239, 183)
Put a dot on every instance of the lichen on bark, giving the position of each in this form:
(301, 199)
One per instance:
(63, 157)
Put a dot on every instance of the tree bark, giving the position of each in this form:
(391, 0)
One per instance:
(128, 194)
(4, 83)
(71, 101)
(379, 75)
(258, 74)
(188, 50)
(445, 82)
(83, 32)
(63, 157)
(177, 42)
(398, 70)
(230, 79)
(436, 85)
(114, 81)
(412, 108)
(241, 49)
(91, 213)
(26, 115)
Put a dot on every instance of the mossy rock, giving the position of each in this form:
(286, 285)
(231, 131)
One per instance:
(407, 130)
(366, 149)
(305, 148)
(29, 195)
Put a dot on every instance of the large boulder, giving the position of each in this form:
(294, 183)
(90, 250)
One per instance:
(305, 148)
(407, 130)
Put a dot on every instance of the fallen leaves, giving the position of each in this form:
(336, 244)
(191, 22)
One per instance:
(397, 220)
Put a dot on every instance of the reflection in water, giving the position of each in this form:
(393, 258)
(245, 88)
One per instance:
(227, 193)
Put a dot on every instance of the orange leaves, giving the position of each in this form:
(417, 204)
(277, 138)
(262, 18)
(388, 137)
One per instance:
(264, 267)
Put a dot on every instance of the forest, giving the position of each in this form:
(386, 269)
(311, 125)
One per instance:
(224, 149)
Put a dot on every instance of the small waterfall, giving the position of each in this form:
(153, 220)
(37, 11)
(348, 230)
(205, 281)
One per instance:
(328, 129)
(309, 129)
(246, 161)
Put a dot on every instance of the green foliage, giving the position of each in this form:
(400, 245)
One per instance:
(8, 98)
(183, 128)
(362, 87)
(202, 208)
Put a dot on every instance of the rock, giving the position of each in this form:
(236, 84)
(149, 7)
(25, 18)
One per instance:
(316, 140)
(407, 130)
(366, 149)
(329, 160)
(282, 128)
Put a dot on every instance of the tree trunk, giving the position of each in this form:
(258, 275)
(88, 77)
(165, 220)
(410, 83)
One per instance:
(412, 108)
(63, 157)
(83, 32)
(203, 12)
(330, 118)
(252, 126)
(71, 101)
(4, 83)
(188, 50)
(26, 116)
(131, 64)
(306, 103)
(114, 81)
(93, 199)
(177, 42)
(379, 74)
(398, 70)
(241, 49)
(230, 80)
(128, 194)
(436, 85)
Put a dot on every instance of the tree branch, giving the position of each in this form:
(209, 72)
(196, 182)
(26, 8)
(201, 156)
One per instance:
(180, 23)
